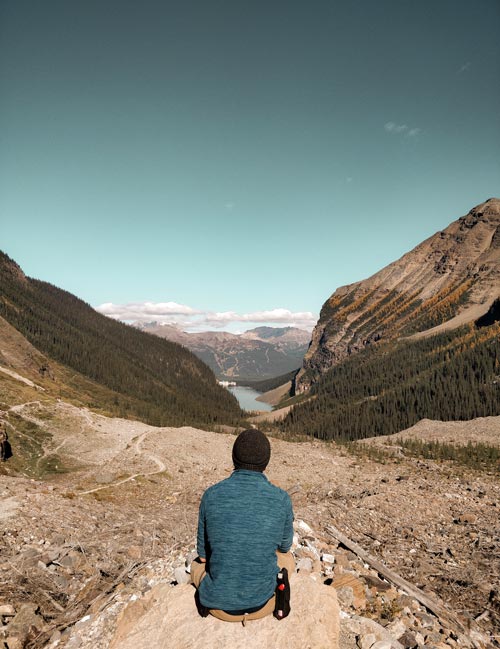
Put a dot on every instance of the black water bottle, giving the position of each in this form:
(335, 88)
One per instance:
(282, 608)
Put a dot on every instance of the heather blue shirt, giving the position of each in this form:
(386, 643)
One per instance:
(243, 520)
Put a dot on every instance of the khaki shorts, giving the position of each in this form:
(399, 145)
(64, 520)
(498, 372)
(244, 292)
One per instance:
(198, 572)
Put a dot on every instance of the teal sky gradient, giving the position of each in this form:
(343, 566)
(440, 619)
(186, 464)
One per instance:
(240, 156)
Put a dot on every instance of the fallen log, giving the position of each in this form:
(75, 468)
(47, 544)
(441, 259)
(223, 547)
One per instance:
(446, 616)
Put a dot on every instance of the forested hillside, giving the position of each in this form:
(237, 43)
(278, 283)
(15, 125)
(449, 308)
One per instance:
(387, 388)
(155, 380)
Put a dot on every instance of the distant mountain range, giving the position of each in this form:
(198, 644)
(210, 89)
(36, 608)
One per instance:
(450, 279)
(53, 338)
(260, 353)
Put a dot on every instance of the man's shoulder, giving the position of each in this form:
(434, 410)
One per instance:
(275, 493)
(280, 493)
(218, 486)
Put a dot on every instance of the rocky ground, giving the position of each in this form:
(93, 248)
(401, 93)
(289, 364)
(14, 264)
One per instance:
(77, 546)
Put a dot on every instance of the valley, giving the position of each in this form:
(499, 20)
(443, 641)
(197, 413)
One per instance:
(389, 435)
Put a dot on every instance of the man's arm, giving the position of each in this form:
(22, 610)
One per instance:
(287, 539)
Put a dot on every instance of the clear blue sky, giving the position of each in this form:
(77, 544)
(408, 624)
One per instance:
(239, 156)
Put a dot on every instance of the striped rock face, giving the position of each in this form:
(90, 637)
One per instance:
(448, 280)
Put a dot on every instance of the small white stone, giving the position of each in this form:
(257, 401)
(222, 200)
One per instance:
(312, 549)
(181, 576)
(328, 558)
(304, 527)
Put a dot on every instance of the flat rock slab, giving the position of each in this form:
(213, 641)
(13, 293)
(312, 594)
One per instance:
(166, 617)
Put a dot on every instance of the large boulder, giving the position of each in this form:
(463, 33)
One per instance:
(167, 617)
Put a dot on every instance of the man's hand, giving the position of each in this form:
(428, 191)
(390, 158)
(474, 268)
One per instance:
(202, 560)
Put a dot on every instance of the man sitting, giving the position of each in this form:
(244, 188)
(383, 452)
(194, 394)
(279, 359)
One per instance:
(245, 533)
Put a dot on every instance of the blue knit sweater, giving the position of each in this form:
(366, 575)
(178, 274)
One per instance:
(243, 520)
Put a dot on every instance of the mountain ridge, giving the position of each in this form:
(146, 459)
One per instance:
(451, 277)
(256, 354)
(149, 378)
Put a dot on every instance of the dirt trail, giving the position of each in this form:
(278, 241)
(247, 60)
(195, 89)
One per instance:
(47, 450)
(20, 406)
(137, 448)
(20, 378)
(153, 458)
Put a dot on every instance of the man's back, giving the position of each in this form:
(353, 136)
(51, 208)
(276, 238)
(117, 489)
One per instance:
(243, 521)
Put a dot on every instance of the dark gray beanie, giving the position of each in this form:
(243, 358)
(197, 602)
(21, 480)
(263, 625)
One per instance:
(251, 450)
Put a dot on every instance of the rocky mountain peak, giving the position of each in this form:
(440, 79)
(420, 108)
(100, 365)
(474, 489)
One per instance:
(490, 207)
(267, 332)
(278, 334)
(451, 278)
(487, 212)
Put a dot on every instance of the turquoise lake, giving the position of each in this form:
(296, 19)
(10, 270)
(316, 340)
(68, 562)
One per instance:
(247, 398)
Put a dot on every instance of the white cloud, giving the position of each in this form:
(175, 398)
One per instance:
(401, 129)
(465, 67)
(189, 318)
(392, 127)
(279, 316)
(146, 311)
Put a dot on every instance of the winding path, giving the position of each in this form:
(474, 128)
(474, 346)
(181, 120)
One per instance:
(87, 416)
(38, 422)
(137, 448)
